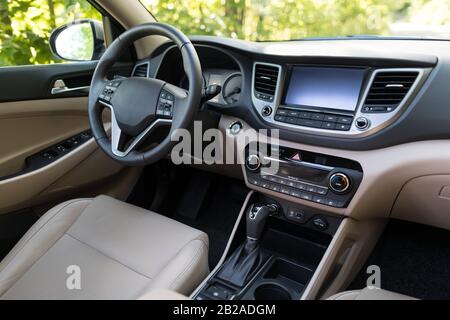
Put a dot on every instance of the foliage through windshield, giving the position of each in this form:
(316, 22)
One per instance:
(261, 20)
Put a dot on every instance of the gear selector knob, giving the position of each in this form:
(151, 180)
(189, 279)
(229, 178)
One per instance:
(256, 219)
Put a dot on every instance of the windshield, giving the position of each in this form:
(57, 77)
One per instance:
(277, 20)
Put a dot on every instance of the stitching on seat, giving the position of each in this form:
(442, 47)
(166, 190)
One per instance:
(199, 237)
(34, 262)
(39, 229)
(102, 253)
(194, 259)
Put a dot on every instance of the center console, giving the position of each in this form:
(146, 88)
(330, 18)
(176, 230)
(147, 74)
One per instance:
(319, 178)
(271, 256)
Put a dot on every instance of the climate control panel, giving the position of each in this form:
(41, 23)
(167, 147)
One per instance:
(318, 178)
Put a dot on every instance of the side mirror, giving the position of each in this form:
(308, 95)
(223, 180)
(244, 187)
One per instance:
(81, 40)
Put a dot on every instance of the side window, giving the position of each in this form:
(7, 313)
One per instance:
(26, 26)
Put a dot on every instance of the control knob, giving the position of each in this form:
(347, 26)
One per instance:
(253, 163)
(339, 182)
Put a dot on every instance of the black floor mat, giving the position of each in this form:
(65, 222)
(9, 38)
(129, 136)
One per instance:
(12, 227)
(414, 260)
(219, 209)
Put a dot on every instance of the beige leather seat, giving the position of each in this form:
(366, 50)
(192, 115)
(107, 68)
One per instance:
(122, 251)
(369, 294)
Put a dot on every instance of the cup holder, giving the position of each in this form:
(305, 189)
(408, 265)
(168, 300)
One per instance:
(271, 291)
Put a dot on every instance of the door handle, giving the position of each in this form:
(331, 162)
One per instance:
(59, 87)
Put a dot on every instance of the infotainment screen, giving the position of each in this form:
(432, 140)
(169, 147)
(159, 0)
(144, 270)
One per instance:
(333, 88)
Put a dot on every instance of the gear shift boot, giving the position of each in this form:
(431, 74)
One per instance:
(243, 264)
(248, 258)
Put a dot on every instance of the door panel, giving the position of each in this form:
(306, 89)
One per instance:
(32, 120)
(36, 81)
(34, 125)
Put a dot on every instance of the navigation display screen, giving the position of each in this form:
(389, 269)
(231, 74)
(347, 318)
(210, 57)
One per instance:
(333, 88)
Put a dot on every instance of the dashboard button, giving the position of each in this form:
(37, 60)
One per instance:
(317, 116)
(329, 125)
(331, 202)
(322, 191)
(296, 215)
(275, 188)
(318, 199)
(295, 193)
(265, 185)
(301, 186)
(306, 196)
(330, 118)
(342, 127)
(280, 118)
(305, 115)
(282, 112)
(285, 190)
(293, 114)
(291, 120)
(310, 123)
(345, 120)
(291, 184)
(320, 223)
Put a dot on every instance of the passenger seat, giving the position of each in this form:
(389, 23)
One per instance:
(369, 294)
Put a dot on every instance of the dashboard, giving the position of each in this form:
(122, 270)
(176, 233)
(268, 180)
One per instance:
(368, 115)
(364, 95)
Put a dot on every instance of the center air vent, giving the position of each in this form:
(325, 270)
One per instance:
(388, 90)
(141, 70)
(265, 82)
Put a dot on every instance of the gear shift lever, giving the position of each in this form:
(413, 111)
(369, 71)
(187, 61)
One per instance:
(248, 258)
(256, 219)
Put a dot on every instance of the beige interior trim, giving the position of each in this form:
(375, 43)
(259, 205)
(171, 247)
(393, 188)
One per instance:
(17, 192)
(61, 106)
(425, 200)
(22, 188)
(345, 257)
(132, 13)
(30, 126)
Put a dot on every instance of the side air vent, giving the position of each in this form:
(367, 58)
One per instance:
(141, 70)
(388, 90)
(265, 82)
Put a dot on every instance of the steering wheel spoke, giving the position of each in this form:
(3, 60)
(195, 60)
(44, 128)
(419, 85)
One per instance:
(173, 102)
(108, 91)
(123, 144)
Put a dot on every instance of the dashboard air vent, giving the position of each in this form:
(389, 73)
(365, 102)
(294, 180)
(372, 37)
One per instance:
(141, 70)
(265, 82)
(388, 90)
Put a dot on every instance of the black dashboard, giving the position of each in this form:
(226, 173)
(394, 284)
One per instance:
(347, 94)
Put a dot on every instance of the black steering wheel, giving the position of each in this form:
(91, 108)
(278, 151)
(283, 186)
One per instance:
(140, 105)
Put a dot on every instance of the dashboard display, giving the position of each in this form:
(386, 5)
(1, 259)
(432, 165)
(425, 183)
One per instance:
(333, 88)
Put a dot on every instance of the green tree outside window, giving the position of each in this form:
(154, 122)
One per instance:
(25, 27)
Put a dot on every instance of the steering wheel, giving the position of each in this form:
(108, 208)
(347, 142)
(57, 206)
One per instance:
(140, 105)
